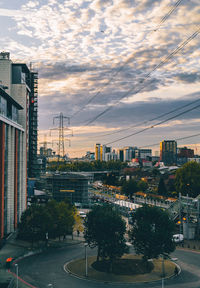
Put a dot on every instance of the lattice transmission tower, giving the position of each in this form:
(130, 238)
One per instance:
(61, 132)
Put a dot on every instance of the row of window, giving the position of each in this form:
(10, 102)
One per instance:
(8, 110)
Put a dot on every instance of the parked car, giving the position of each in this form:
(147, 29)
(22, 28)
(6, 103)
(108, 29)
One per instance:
(82, 214)
(178, 238)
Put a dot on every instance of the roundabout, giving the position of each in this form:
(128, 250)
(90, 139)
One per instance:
(128, 269)
(41, 269)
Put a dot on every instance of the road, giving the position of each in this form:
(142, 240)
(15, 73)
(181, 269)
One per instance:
(47, 268)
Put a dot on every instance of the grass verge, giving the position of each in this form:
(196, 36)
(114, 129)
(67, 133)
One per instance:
(78, 268)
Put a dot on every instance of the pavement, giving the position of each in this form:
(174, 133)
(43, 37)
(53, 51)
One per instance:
(18, 249)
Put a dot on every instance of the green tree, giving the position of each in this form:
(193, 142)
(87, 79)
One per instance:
(110, 179)
(142, 185)
(152, 231)
(129, 188)
(61, 217)
(187, 179)
(56, 219)
(162, 190)
(34, 224)
(105, 229)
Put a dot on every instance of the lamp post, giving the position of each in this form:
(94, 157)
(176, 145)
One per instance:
(17, 272)
(163, 271)
(86, 260)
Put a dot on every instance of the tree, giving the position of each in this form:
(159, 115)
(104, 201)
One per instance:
(187, 179)
(56, 219)
(162, 190)
(105, 229)
(152, 232)
(110, 179)
(142, 185)
(129, 188)
(34, 224)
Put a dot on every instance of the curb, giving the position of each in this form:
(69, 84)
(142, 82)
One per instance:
(67, 270)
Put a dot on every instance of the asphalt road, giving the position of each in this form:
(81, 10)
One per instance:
(47, 268)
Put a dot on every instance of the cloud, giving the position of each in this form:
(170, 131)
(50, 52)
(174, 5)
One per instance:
(107, 50)
(188, 77)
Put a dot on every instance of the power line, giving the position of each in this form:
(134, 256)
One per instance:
(153, 126)
(145, 122)
(177, 139)
(165, 60)
(163, 19)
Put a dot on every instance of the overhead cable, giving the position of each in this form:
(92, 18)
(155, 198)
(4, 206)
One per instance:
(145, 122)
(162, 63)
(163, 19)
(177, 139)
(155, 125)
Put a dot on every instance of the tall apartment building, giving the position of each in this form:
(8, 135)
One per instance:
(33, 169)
(168, 152)
(126, 154)
(22, 84)
(98, 152)
(19, 129)
(12, 162)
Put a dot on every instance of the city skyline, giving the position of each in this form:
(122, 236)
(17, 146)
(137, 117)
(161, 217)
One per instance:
(108, 65)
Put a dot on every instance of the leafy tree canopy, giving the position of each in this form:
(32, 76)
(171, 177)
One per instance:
(131, 186)
(162, 190)
(56, 219)
(87, 166)
(152, 232)
(105, 229)
(187, 179)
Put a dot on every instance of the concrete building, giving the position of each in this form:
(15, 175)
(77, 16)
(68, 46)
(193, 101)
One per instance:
(126, 154)
(121, 155)
(168, 152)
(21, 83)
(143, 154)
(13, 156)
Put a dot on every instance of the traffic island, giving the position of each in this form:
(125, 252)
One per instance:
(132, 269)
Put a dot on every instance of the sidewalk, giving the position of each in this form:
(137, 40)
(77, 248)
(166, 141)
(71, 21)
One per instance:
(16, 249)
(190, 245)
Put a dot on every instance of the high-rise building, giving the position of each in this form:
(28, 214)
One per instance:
(98, 152)
(33, 170)
(12, 161)
(18, 138)
(22, 84)
(121, 155)
(168, 152)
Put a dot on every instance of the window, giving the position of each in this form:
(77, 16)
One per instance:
(3, 106)
(14, 114)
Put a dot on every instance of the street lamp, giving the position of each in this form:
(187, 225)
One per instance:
(17, 272)
(163, 271)
(86, 260)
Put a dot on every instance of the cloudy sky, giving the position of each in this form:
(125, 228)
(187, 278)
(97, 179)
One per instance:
(111, 66)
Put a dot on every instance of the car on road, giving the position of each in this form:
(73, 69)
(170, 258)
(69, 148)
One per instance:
(82, 214)
(178, 238)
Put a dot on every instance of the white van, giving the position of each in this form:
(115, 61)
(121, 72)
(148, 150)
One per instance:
(178, 238)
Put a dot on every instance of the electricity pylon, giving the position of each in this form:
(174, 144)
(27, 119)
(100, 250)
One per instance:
(61, 132)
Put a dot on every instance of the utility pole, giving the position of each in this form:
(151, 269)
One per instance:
(198, 212)
(180, 216)
(187, 217)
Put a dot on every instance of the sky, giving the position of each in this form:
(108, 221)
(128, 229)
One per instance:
(111, 66)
